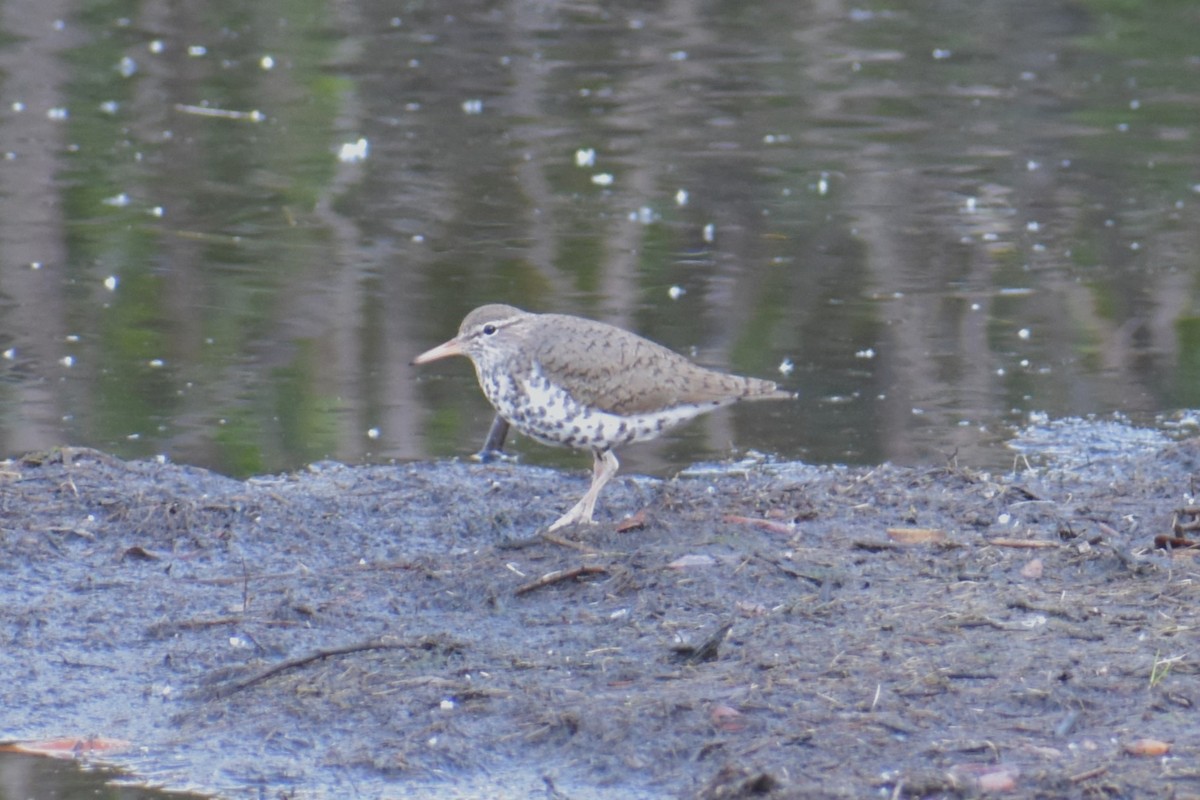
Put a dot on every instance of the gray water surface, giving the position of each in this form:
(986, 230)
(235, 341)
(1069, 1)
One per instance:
(226, 230)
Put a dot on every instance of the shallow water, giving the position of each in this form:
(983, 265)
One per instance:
(24, 776)
(227, 233)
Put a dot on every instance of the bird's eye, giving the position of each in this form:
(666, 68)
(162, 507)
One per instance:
(488, 330)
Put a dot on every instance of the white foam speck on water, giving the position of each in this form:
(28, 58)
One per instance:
(354, 152)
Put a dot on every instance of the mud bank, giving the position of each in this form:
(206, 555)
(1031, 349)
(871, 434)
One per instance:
(754, 630)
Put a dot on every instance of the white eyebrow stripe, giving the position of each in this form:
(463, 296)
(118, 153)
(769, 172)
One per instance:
(498, 323)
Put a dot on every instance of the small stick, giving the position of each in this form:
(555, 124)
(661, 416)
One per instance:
(558, 576)
(1087, 776)
(302, 661)
(1026, 543)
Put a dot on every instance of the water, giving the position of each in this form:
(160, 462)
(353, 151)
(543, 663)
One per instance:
(24, 777)
(226, 232)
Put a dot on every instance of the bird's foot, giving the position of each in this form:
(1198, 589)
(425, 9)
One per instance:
(493, 446)
(576, 516)
(488, 456)
(562, 541)
(541, 537)
(580, 514)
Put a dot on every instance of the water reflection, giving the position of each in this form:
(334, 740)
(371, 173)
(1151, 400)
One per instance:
(26, 776)
(943, 217)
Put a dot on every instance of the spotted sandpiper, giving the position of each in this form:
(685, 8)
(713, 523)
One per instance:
(572, 381)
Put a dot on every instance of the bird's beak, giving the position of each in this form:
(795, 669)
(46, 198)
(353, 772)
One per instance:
(450, 348)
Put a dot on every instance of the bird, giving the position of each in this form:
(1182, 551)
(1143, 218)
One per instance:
(576, 382)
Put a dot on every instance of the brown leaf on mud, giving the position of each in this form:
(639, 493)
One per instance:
(634, 522)
(1147, 747)
(985, 778)
(726, 718)
(67, 747)
(792, 513)
(916, 535)
(768, 525)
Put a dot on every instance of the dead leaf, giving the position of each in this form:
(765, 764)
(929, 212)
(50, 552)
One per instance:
(1147, 747)
(1000, 781)
(726, 718)
(634, 522)
(916, 535)
(770, 526)
(1033, 569)
(986, 778)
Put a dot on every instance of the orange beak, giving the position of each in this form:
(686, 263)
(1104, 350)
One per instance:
(450, 348)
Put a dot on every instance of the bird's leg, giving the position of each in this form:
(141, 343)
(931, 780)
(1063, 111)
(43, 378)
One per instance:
(604, 467)
(493, 447)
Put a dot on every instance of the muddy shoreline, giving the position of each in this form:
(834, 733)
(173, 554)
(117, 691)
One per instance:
(755, 630)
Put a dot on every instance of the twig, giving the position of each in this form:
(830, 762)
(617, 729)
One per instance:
(302, 661)
(245, 586)
(1087, 776)
(1031, 544)
(558, 576)
(160, 629)
(224, 580)
(552, 791)
(222, 113)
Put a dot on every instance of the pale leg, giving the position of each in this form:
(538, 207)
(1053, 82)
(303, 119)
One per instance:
(604, 467)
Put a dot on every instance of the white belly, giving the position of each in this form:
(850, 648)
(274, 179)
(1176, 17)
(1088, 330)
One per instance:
(543, 411)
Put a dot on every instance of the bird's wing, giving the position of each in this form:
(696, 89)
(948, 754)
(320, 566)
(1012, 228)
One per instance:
(620, 372)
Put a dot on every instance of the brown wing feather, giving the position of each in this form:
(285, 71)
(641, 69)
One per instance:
(622, 373)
